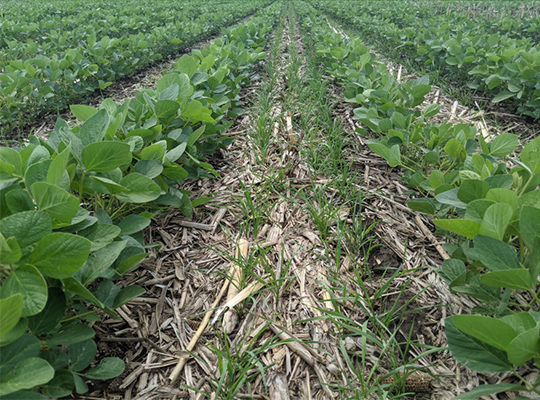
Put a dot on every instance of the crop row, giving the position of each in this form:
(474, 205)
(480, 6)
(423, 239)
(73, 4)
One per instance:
(488, 210)
(504, 66)
(45, 68)
(60, 263)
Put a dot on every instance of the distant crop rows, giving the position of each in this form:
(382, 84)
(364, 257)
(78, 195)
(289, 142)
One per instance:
(52, 53)
(493, 50)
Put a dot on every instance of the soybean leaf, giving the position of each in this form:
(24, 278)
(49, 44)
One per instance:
(140, 189)
(175, 153)
(521, 322)
(530, 155)
(93, 130)
(72, 285)
(26, 374)
(11, 309)
(450, 197)
(453, 272)
(511, 278)
(108, 368)
(503, 144)
(187, 65)
(80, 385)
(476, 209)
(24, 395)
(99, 261)
(454, 149)
(524, 347)
(100, 235)
(462, 227)
(473, 353)
(496, 220)
(59, 204)
(486, 390)
(502, 96)
(472, 189)
(424, 205)
(58, 167)
(24, 347)
(47, 320)
(132, 224)
(73, 334)
(495, 254)
(127, 294)
(109, 186)
(10, 251)
(57, 358)
(60, 255)
(528, 225)
(18, 200)
(81, 354)
(105, 156)
(27, 281)
(492, 331)
(15, 333)
(61, 385)
(500, 181)
(149, 168)
(83, 112)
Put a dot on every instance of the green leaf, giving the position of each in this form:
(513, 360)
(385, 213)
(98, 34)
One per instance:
(132, 224)
(61, 385)
(521, 321)
(424, 205)
(126, 295)
(109, 186)
(153, 152)
(492, 331)
(495, 254)
(57, 358)
(81, 354)
(453, 272)
(462, 227)
(395, 156)
(486, 390)
(512, 278)
(140, 189)
(530, 155)
(10, 163)
(94, 129)
(18, 200)
(24, 347)
(476, 209)
(83, 112)
(502, 96)
(14, 334)
(60, 255)
(472, 189)
(58, 167)
(130, 262)
(10, 251)
(166, 110)
(73, 334)
(59, 204)
(454, 149)
(529, 222)
(503, 144)
(26, 374)
(108, 368)
(100, 235)
(196, 112)
(105, 156)
(27, 281)
(524, 347)
(187, 65)
(149, 168)
(379, 149)
(24, 395)
(11, 309)
(496, 220)
(72, 285)
(27, 227)
(431, 110)
(47, 320)
(450, 197)
(99, 261)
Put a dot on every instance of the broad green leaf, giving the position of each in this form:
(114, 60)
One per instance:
(530, 155)
(82, 354)
(166, 110)
(175, 172)
(462, 227)
(132, 224)
(492, 331)
(26, 374)
(105, 156)
(106, 185)
(99, 261)
(149, 168)
(24, 347)
(496, 220)
(140, 189)
(486, 390)
(100, 235)
(503, 144)
(472, 189)
(10, 251)
(59, 204)
(529, 222)
(436, 178)
(395, 156)
(450, 197)
(196, 112)
(195, 136)
(72, 285)
(187, 65)
(47, 320)
(27, 281)
(175, 153)
(10, 162)
(153, 152)
(473, 353)
(14, 334)
(504, 95)
(431, 110)
(454, 149)
(424, 205)
(511, 278)
(131, 262)
(126, 295)
(11, 309)
(504, 196)
(108, 368)
(83, 112)
(24, 395)
(94, 128)
(521, 321)
(453, 272)
(476, 209)
(60, 255)
(57, 358)
(495, 254)
(37, 173)
(379, 149)
(58, 167)
(61, 385)
(524, 347)
(73, 334)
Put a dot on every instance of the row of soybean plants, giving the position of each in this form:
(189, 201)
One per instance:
(488, 211)
(60, 262)
(49, 60)
(499, 58)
